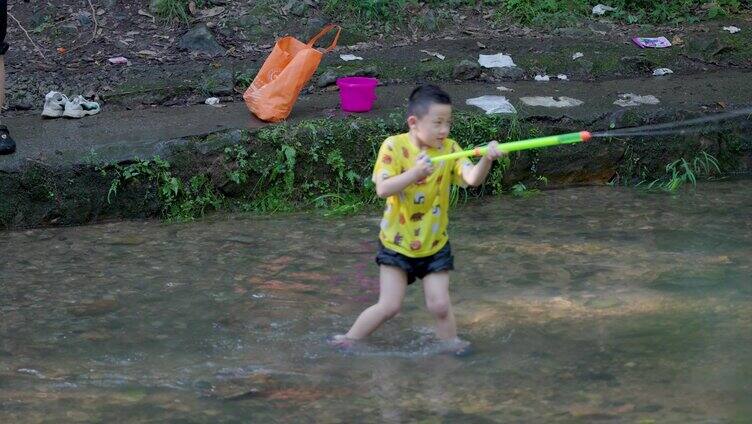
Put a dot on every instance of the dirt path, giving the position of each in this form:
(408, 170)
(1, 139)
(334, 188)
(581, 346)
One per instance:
(124, 135)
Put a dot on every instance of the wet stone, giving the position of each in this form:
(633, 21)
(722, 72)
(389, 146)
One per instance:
(596, 376)
(675, 281)
(326, 79)
(126, 241)
(313, 26)
(509, 73)
(94, 308)
(95, 336)
(466, 70)
(201, 39)
(706, 47)
(369, 71)
(223, 82)
(588, 412)
(653, 407)
(604, 303)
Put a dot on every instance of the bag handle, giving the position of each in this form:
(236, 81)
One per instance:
(323, 32)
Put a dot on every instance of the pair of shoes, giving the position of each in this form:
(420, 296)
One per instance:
(7, 145)
(56, 104)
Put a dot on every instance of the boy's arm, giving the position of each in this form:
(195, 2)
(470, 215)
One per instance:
(475, 175)
(390, 186)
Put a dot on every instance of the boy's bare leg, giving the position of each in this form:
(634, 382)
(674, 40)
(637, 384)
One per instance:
(436, 288)
(392, 282)
(2, 80)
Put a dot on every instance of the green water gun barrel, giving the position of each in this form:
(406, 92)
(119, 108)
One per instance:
(514, 146)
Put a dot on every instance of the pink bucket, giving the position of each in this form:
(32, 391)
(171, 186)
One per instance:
(357, 94)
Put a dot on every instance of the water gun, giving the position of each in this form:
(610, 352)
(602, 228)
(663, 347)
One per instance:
(514, 146)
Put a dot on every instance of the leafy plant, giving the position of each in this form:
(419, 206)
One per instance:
(682, 172)
(520, 190)
(244, 79)
(180, 202)
(175, 10)
(207, 85)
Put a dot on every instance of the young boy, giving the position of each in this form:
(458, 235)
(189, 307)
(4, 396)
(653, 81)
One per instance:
(413, 238)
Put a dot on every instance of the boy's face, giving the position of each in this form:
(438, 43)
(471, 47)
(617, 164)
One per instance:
(432, 128)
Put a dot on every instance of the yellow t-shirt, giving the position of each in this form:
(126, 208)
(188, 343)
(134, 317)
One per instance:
(415, 220)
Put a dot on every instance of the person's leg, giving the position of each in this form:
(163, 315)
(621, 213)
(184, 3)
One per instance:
(436, 288)
(3, 47)
(7, 145)
(2, 81)
(392, 282)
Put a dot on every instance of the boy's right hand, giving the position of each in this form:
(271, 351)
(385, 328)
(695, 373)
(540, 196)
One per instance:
(423, 166)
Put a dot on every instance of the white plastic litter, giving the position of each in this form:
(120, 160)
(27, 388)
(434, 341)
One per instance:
(495, 61)
(349, 57)
(434, 54)
(549, 101)
(212, 101)
(120, 60)
(731, 29)
(662, 71)
(502, 88)
(562, 77)
(492, 104)
(577, 56)
(601, 9)
(630, 99)
(542, 78)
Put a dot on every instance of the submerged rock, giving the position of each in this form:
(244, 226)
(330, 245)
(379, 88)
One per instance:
(94, 308)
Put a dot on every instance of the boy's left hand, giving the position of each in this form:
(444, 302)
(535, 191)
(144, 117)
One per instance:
(494, 152)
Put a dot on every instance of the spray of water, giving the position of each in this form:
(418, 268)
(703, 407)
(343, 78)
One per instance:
(710, 123)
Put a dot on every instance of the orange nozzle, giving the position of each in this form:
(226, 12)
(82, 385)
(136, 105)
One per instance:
(585, 135)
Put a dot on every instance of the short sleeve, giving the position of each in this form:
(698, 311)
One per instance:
(386, 162)
(459, 165)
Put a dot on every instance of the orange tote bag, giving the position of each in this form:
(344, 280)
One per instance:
(288, 68)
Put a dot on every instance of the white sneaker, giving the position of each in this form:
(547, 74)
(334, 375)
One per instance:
(54, 104)
(80, 107)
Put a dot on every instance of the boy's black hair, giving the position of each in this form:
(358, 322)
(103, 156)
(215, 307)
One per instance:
(423, 97)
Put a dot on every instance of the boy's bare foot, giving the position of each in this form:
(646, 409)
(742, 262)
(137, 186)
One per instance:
(341, 341)
(456, 346)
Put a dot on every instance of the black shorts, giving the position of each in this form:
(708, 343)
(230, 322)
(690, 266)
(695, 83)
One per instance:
(417, 267)
(3, 26)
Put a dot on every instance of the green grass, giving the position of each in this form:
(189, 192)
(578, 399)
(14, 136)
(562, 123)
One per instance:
(682, 172)
(387, 11)
(392, 14)
(431, 70)
(568, 12)
(521, 190)
(181, 200)
(206, 85)
(325, 165)
(175, 10)
(320, 164)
